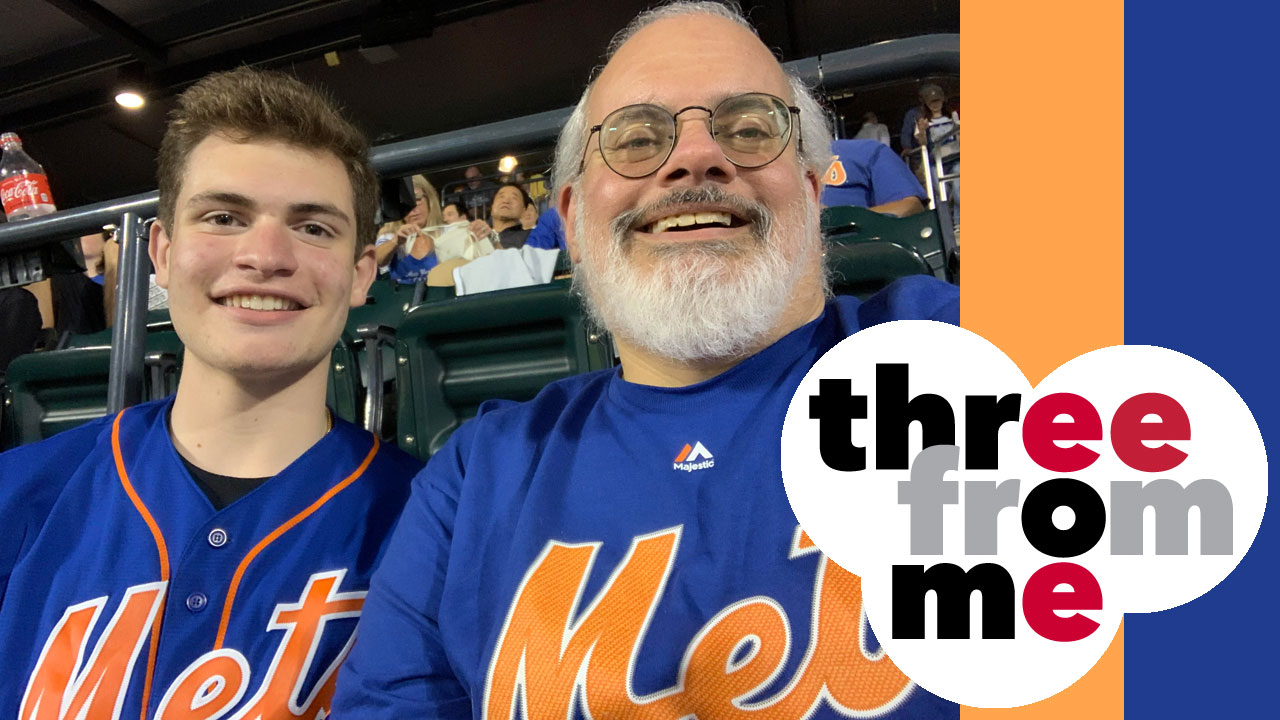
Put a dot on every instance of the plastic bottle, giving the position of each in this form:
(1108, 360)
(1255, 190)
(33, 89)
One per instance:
(24, 188)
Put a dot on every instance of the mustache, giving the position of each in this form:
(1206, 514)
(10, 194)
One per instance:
(760, 216)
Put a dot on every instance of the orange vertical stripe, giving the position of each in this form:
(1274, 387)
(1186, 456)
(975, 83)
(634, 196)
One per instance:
(274, 534)
(161, 548)
(1044, 216)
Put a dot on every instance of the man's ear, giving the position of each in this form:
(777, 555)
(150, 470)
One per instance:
(362, 275)
(567, 206)
(158, 248)
(815, 186)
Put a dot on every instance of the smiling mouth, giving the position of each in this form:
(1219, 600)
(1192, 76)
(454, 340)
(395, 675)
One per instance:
(262, 303)
(693, 221)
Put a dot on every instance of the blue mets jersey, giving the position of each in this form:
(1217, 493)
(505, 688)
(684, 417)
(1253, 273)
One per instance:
(614, 550)
(124, 594)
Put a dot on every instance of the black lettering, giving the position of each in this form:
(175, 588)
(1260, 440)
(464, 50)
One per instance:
(983, 416)
(954, 588)
(1037, 517)
(895, 412)
(835, 407)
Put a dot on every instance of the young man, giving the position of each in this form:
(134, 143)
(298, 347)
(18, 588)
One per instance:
(207, 555)
(627, 549)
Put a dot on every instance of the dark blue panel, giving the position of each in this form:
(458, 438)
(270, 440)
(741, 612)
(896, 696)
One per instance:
(1201, 276)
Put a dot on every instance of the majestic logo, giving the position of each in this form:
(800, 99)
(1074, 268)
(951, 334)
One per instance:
(64, 685)
(693, 457)
(553, 657)
(919, 457)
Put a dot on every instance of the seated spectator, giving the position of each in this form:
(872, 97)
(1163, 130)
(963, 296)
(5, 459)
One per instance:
(406, 248)
(939, 124)
(78, 299)
(548, 233)
(477, 193)
(454, 211)
(873, 129)
(19, 324)
(508, 205)
(865, 173)
(529, 218)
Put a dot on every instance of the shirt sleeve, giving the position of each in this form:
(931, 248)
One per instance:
(891, 179)
(399, 667)
(908, 136)
(548, 233)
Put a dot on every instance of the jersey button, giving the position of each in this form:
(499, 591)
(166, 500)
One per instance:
(217, 537)
(197, 601)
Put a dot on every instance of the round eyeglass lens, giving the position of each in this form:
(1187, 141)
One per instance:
(635, 140)
(752, 129)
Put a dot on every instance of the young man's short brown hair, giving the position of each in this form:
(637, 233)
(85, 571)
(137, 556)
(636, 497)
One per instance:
(247, 105)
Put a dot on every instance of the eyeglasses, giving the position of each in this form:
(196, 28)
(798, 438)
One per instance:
(752, 130)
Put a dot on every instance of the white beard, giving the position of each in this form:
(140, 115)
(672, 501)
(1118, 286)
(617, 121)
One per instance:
(698, 301)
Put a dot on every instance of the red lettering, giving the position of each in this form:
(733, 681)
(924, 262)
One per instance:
(1128, 431)
(1040, 431)
(1041, 598)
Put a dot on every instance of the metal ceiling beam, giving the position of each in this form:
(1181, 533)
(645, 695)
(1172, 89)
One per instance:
(107, 24)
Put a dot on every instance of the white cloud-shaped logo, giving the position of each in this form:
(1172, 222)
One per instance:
(997, 563)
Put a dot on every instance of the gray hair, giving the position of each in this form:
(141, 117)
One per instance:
(814, 127)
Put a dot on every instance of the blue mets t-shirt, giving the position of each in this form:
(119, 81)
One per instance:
(610, 549)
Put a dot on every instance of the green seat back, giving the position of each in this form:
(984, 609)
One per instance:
(344, 392)
(385, 304)
(863, 268)
(845, 225)
(455, 354)
(49, 392)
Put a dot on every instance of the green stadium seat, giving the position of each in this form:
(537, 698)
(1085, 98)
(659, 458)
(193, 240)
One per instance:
(48, 392)
(371, 328)
(344, 391)
(863, 268)
(846, 225)
(455, 354)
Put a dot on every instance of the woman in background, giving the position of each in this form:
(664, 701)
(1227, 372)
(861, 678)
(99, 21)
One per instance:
(404, 250)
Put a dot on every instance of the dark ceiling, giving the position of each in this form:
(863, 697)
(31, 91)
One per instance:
(403, 68)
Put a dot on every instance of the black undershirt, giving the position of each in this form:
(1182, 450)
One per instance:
(222, 490)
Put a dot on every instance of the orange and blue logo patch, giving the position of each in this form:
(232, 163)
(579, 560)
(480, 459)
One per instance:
(693, 457)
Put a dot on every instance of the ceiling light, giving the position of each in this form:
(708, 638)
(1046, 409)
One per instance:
(130, 99)
(507, 164)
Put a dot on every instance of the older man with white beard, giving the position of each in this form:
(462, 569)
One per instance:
(621, 546)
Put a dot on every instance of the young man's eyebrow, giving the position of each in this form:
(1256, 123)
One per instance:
(319, 209)
(221, 197)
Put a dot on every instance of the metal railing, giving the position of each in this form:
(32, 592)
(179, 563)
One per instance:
(846, 68)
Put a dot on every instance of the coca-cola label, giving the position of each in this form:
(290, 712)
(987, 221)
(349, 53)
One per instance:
(24, 190)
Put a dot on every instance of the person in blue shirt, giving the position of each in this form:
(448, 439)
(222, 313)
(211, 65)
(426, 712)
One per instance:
(405, 249)
(548, 233)
(622, 546)
(865, 173)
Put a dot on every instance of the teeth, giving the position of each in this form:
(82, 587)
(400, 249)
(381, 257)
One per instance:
(265, 303)
(687, 219)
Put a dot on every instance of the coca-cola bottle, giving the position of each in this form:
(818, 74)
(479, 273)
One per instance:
(24, 188)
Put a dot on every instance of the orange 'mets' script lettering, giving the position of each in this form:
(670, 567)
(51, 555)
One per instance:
(550, 656)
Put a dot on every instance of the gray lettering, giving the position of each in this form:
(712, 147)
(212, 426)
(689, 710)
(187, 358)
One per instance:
(926, 492)
(983, 501)
(1172, 504)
